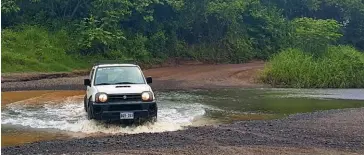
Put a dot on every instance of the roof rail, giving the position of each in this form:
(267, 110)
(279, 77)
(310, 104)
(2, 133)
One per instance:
(104, 62)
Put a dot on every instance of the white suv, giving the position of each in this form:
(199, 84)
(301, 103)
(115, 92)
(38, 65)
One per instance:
(119, 92)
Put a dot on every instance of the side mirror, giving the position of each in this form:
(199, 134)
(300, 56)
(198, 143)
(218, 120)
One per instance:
(149, 80)
(87, 82)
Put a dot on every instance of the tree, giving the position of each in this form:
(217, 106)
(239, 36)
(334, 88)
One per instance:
(315, 35)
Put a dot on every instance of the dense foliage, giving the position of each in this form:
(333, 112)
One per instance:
(339, 67)
(33, 48)
(152, 31)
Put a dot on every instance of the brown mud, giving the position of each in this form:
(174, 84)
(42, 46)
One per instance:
(19, 77)
(22, 137)
(182, 77)
(41, 96)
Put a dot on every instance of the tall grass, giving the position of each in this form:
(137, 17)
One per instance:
(338, 67)
(32, 48)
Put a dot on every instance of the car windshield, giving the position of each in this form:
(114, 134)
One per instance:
(118, 75)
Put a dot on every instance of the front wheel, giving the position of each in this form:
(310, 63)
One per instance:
(90, 114)
(85, 103)
(152, 119)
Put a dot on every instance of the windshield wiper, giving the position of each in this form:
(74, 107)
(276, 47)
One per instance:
(104, 84)
(125, 83)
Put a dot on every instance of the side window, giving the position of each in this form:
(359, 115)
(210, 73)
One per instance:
(92, 73)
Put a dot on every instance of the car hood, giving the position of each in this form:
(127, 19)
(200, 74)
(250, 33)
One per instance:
(123, 89)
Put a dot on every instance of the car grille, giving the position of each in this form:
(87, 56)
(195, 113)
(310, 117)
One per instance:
(124, 97)
(125, 107)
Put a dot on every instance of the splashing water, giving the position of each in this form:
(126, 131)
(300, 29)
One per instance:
(69, 115)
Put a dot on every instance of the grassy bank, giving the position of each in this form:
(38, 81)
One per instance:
(338, 67)
(33, 49)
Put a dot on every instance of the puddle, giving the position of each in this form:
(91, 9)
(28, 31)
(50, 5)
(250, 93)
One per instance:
(15, 135)
(281, 102)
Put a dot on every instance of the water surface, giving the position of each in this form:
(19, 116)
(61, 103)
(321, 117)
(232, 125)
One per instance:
(54, 115)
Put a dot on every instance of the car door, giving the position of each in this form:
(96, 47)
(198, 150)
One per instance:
(89, 89)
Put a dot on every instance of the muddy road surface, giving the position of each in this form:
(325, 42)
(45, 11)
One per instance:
(196, 101)
(184, 77)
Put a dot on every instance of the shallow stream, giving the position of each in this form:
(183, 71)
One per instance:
(50, 115)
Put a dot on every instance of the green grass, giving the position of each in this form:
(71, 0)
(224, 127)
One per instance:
(34, 49)
(338, 67)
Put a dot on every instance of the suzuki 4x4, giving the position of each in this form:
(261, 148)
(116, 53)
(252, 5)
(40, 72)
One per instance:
(119, 92)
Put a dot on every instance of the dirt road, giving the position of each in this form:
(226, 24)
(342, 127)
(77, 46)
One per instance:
(167, 78)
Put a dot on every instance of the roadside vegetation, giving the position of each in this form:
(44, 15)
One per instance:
(49, 36)
(338, 67)
(314, 61)
(31, 48)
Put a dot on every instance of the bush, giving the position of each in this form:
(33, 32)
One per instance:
(32, 48)
(338, 67)
(315, 35)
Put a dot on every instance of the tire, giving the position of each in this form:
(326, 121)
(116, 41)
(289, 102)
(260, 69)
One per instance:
(152, 119)
(90, 114)
(85, 103)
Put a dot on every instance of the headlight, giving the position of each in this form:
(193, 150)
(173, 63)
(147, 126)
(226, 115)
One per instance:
(102, 97)
(147, 96)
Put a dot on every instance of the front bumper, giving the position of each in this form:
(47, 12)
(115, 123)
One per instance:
(111, 111)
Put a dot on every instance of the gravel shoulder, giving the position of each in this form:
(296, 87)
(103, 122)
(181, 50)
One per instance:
(325, 132)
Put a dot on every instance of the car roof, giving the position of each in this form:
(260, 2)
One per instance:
(116, 65)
